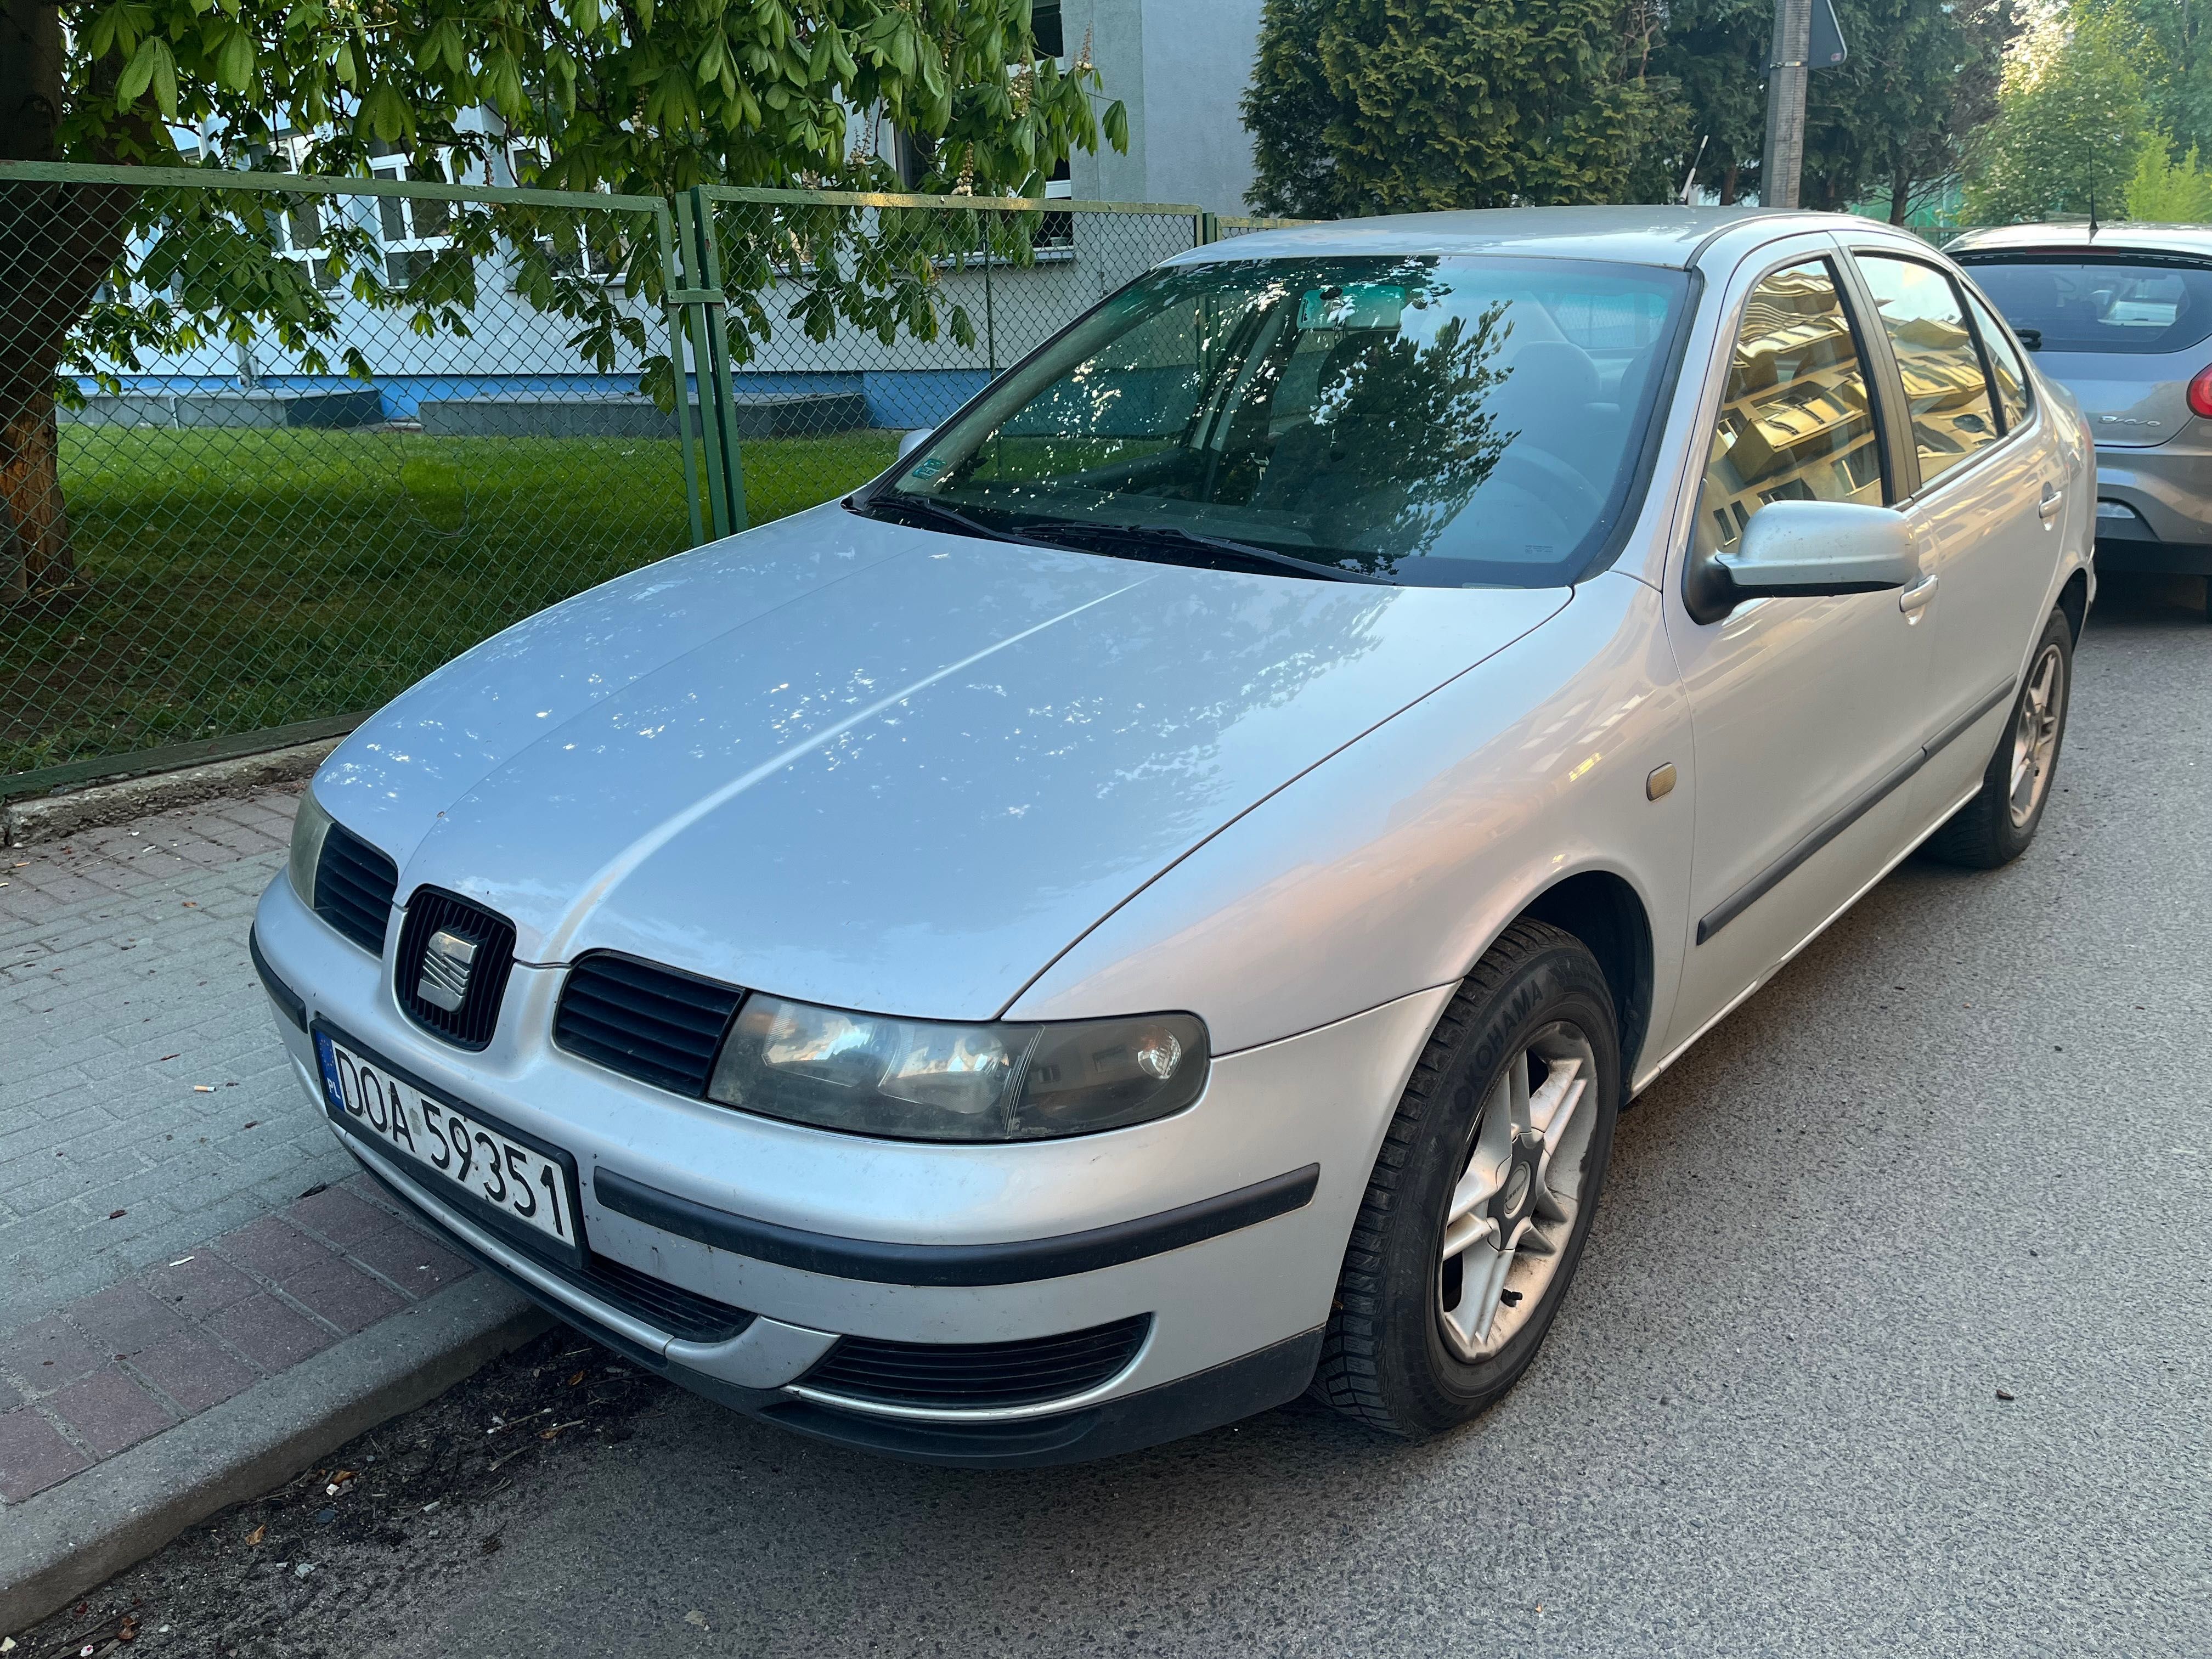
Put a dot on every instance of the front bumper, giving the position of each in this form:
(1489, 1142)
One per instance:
(1226, 1225)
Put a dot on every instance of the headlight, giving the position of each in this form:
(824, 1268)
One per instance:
(309, 825)
(925, 1080)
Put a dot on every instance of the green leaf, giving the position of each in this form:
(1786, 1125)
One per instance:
(384, 113)
(712, 57)
(99, 39)
(441, 45)
(137, 74)
(165, 78)
(1115, 125)
(235, 59)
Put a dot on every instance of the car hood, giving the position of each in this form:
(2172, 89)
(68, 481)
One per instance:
(864, 764)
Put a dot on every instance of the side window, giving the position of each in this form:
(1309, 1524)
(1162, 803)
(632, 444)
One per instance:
(1794, 422)
(2005, 368)
(1944, 387)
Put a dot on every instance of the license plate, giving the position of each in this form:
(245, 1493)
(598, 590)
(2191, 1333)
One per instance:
(513, 1180)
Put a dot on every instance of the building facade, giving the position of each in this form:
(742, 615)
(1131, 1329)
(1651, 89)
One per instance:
(1180, 67)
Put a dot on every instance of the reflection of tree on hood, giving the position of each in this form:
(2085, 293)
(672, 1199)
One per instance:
(1403, 435)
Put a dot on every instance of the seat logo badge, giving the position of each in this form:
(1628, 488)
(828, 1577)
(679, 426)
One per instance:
(447, 960)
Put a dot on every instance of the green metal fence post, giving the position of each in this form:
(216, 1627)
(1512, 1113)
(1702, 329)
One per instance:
(990, 308)
(1208, 229)
(671, 283)
(695, 297)
(708, 268)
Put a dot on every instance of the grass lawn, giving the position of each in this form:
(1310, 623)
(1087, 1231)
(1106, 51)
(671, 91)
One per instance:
(247, 578)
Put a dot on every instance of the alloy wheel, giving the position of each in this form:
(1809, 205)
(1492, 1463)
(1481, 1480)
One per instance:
(1513, 1208)
(2035, 734)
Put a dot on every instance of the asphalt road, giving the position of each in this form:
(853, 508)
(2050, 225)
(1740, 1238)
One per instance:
(1959, 1146)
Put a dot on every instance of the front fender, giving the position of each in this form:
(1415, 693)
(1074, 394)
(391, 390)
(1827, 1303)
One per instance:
(1392, 867)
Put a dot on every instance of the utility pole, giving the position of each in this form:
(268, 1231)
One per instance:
(1782, 162)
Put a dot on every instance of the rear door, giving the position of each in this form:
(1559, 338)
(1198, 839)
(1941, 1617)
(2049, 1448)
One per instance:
(1987, 505)
(1805, 713)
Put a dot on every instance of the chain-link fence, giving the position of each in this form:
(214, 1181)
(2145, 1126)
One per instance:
(844, 318)
(1227, 225)
(272, 447)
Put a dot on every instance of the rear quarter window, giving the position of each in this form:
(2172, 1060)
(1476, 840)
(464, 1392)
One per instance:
(2132, 305)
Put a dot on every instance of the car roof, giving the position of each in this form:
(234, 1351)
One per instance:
(1655, 235)
(2070, 238)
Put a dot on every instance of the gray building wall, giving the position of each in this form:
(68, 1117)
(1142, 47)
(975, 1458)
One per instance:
(1181, 67)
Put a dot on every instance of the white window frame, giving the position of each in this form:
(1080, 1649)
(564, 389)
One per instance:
(315, 258)
(413, 242)
(589, 262)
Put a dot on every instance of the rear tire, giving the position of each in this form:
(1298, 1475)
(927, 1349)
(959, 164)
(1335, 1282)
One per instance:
(1502, 1137)
(1997, 826)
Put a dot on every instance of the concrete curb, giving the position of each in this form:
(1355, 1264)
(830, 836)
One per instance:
(75, 1536)
(49, 818)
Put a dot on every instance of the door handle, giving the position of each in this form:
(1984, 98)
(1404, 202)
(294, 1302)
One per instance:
(2052, 501)
(1915, 597)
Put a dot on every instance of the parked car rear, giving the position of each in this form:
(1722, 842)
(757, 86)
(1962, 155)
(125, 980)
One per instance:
(2122, 317)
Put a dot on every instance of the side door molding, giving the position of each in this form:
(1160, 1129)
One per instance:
(1778, 872)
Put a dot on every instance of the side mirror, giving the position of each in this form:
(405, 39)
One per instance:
(1800, 550)
(911, 441)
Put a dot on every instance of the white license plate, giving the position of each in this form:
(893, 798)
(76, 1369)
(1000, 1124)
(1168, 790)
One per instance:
(450, 1149)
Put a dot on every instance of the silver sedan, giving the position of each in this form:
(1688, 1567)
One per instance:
(1154, 905)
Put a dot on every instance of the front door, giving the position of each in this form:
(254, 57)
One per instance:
(1987, 514)
(1805, 713)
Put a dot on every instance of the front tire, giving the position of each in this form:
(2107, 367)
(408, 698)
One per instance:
(1482, 1197)
(1997, 826)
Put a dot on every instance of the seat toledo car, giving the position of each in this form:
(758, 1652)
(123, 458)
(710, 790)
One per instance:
(2121, 316)
(1154, 904)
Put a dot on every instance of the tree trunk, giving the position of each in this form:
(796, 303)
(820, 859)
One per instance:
(57, 243)
(1901, 193)
(42, 563)
(1728, 187)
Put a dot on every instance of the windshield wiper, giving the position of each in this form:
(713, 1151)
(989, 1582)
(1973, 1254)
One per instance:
(1211, 552)
(925, 514)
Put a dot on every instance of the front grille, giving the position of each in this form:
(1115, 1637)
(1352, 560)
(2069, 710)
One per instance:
(354, 888)
(432, 911)
(979, 1375)
(652, 1023)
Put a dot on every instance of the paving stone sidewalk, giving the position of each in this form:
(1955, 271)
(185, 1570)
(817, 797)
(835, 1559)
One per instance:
(176, 1223)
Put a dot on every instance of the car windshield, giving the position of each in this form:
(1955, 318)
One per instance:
(1441, 422)
(2099, 305)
